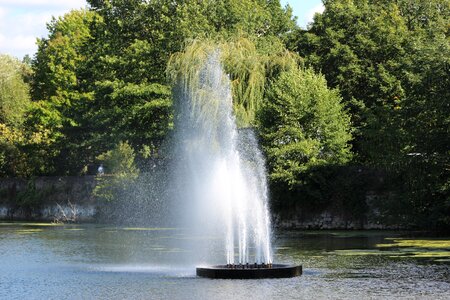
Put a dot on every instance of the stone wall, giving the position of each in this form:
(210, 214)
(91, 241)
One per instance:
(336, 218)
(48, 198)
(328, 220)
(60, 198)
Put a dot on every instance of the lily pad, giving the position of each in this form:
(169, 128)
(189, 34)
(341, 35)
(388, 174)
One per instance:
(29, 224)
(28, 231)
(432, 254)
(364, 252)
(422, 243)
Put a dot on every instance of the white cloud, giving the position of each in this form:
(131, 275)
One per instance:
(19, 43)
(18, 46)
(47, 3)
(22, 21)
(310, 15)
(29, 22)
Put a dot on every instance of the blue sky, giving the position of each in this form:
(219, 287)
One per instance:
(304, 9)
(22, 21)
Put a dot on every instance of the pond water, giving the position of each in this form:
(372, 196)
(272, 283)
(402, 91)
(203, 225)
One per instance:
(44, 261)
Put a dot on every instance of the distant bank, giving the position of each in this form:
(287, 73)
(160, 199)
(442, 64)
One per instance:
(71, 199)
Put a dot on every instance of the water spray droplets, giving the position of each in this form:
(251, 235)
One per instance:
(226, 169)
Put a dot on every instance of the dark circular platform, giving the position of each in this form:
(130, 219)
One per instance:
(249, 271)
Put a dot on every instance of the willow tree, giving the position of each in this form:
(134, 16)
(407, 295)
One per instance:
(249, 69)
(302, 123)
(100, 74)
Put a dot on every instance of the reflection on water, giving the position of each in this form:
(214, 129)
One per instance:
(43, 261)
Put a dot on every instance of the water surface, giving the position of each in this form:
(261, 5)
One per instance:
(44, 261)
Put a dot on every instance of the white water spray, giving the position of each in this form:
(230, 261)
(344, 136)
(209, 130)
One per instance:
(223, 169)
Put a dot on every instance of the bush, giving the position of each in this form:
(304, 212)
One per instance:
(120, 172)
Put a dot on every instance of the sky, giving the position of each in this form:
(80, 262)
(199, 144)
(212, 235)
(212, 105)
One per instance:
(23, 21)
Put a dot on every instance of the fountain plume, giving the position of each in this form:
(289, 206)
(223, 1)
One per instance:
(221, 170)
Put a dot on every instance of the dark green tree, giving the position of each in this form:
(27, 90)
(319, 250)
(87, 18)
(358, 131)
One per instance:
(390, 61)
(359, 46)
(60, 91)
(135, 42)
(101, 73)
(303, 125)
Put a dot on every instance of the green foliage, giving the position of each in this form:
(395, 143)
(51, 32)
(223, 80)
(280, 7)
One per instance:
(100, 73)
(139, 38)
(303, 125)
(359, 46)
(14, 103)
(120, 161)
(337, 188)
(390, 60)
(27, 150)
(100, 77)
(60, 93)
(248, 66)
(120, 172)
(14, 91)
(10, 155)
(140, 113)
(60, 57)
(84, 113)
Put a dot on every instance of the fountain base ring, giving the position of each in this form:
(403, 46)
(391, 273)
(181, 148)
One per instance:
(245, 272)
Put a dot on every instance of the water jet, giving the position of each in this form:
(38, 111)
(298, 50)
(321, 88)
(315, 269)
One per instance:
(221, 170)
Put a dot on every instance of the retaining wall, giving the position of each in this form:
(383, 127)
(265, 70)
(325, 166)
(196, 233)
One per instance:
(72, 197)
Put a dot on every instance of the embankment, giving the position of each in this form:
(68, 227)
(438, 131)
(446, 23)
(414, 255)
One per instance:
(71, 199)
(48, 198)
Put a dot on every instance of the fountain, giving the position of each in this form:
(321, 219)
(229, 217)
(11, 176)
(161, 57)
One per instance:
(223, 174)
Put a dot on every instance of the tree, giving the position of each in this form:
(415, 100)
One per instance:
(249, 62)
(14, 102)
(425, 158)
(390, 61)
(359, 46)
(14, 91)
(60, 90)
(120, 161)
(134, 44)
(102, 71)
(120, 166)
(303, 125)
